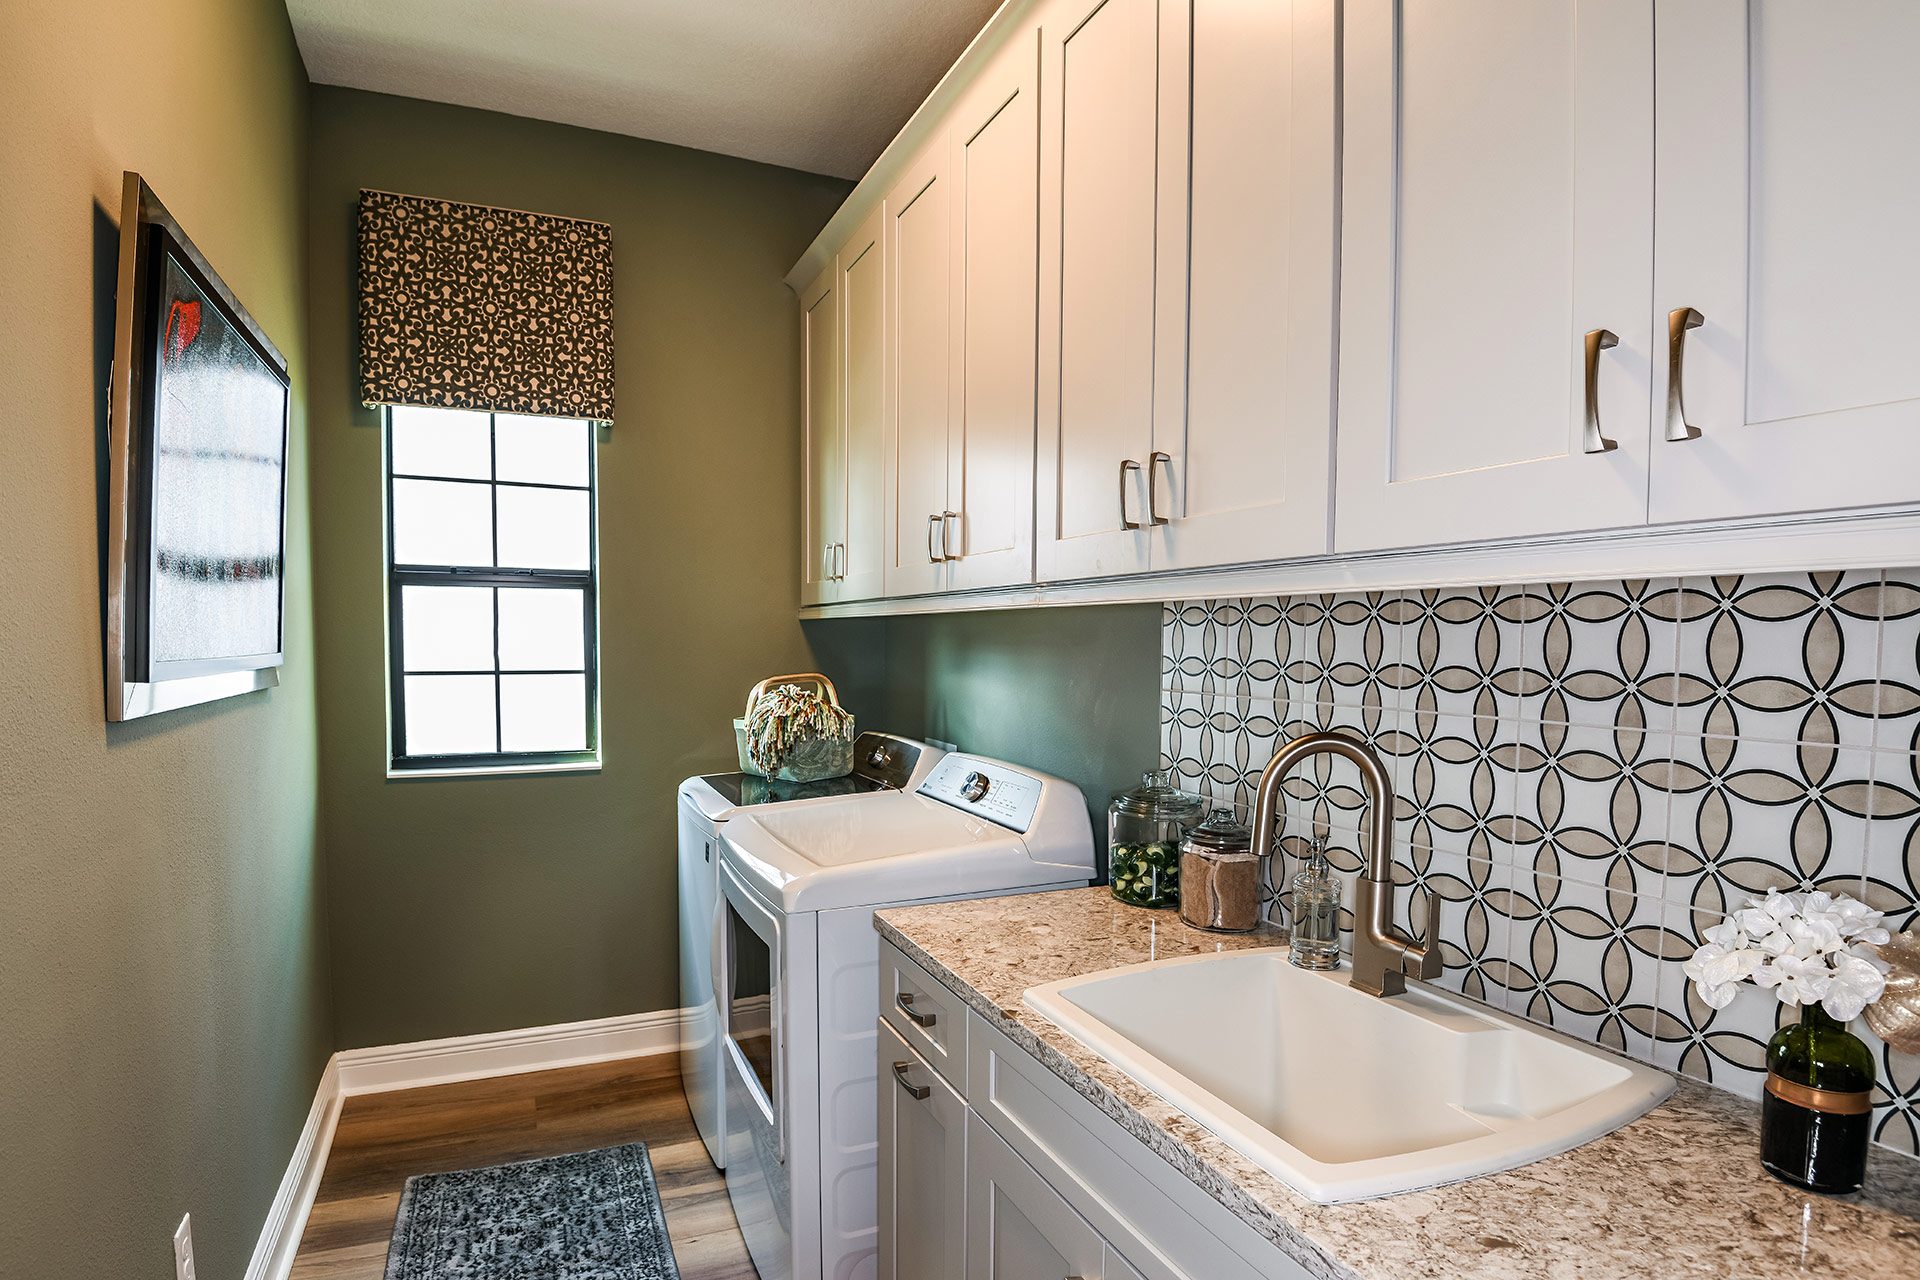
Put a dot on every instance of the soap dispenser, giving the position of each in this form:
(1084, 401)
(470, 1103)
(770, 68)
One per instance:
(1315, 898)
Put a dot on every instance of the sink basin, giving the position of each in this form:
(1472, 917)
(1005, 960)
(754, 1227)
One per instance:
(1341, 1095)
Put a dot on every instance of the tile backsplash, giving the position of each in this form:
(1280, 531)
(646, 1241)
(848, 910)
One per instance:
(1588, 775)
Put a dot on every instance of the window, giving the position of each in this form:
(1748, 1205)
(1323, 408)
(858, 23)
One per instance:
(491, 591)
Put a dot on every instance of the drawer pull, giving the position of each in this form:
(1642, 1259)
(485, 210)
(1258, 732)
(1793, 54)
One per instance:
(1126, 465)
(1598, 340)
(905, 1001)
(918, 1092)
(1678, 322)
(1154, 462)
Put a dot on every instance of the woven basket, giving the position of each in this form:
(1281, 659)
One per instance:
(809, 759)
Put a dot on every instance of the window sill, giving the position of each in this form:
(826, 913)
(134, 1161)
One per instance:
(493, 770)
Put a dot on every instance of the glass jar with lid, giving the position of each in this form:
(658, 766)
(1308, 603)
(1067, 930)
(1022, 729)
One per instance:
(1219, 876)
(1144, 830)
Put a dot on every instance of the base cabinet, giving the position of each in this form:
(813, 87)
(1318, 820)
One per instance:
(995, 1169)
(1018, 1227)
(923, 1168)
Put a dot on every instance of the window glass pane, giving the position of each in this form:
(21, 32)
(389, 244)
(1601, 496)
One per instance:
(542, 450)
(441, 442)
(542, 629)
(543, 528)
(446, 628)
(543, 713)
(437, 523)
(449, 715)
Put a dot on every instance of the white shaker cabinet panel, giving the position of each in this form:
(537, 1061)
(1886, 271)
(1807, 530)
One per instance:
(990, 460)
(824, 453)
(1019, 1228)
(1496, 269)
(919, 319)
(863, 298)
(1102, 280)
(1242, 470)
(923, 1168)
(1788, 200)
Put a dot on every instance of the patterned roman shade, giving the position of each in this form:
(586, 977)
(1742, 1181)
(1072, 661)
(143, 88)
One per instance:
(468, 307)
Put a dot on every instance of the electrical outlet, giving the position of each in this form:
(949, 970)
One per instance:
(183, 1249)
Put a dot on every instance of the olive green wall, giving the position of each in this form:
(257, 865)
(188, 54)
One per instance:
(471, 905)
(1073, 692)
(163, 1017)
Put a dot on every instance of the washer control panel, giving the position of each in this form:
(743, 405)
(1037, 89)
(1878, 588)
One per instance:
(997, 792)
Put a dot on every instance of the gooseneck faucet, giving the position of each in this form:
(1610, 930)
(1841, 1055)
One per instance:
(1384, 957)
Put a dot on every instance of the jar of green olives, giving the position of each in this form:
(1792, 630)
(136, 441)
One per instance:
(1144, 830)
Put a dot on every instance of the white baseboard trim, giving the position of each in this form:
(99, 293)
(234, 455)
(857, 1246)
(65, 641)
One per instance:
(429, 1062)
(287, 1216)
(505, 1053)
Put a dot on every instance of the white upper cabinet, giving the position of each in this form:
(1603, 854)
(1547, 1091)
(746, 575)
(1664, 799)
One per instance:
(1496, 337)
(994, 163)
(1240, 472)
(1103, 280)
(863, 297)
(824, 493)
(919, 343)
(1788, 197)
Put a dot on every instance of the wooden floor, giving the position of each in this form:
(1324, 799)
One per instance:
(385, 1138)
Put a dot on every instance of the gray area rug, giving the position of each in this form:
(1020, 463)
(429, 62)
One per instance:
(592, 1215)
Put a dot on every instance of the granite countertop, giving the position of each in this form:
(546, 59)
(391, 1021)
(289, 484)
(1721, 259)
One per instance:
(1677, 1193)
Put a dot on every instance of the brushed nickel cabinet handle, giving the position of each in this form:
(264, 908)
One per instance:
(826, 563)
(1126, 465)
(843, 562)
(1154, 460)
(1598, 340)
(905, 1001)
(918, 1092)
(946, 537)
(934, 522)
(1679, 321)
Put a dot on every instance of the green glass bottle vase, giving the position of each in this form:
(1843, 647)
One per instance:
(1817, 1111)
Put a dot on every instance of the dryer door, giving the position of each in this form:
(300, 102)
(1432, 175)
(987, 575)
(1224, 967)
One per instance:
(752, 1001)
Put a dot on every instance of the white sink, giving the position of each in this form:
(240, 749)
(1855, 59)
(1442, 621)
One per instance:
(1341, 1095)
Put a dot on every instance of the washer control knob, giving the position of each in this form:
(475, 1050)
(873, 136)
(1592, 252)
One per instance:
(975, 787)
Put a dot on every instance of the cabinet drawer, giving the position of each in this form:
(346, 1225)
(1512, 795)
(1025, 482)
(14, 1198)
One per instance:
(1167, 1228)
(928, 1016)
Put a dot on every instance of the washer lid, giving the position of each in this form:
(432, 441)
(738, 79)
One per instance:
(867, 850)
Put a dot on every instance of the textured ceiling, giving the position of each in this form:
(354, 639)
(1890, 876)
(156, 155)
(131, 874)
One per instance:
(820, 85)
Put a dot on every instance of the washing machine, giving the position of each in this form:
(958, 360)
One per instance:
(882, 762)
(799, 975)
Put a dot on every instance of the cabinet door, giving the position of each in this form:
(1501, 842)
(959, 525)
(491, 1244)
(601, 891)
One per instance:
(1787, 198)
(995, 164)
(824, 492)
(918, 319)
(923, 1168)
(1103, 280)
(1246, 466)
(1018, 1227)
(863, 299)
(1498, 208)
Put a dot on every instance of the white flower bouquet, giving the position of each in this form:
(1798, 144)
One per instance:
(1807, 948)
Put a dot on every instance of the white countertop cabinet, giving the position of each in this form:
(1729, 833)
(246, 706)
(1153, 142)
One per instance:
(1786, 200)
(1498, 209)
(824, 448)
(1186, 284)
(1185, 297)
(843, 420)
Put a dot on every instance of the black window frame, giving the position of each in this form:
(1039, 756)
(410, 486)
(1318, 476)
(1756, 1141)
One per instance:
(400, 576)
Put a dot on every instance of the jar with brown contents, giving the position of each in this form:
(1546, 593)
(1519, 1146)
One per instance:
(1219, 876)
